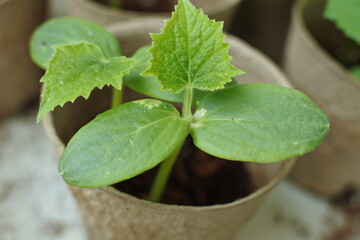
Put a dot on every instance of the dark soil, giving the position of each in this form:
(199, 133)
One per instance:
(197, 179)
(145, 5)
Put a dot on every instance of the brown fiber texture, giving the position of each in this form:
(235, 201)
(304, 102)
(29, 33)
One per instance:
(221, 10)
(18, 75)
(335, 166)
(112, 215)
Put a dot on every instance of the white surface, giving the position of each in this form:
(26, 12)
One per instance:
(34, 202)
(36, 205)
(290, 213)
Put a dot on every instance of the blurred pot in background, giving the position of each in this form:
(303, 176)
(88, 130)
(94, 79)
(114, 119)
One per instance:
(313, 65)
(100, 12)
(18, 75)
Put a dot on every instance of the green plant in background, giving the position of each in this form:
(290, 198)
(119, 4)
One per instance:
(346, 15)
(189, 63)
(115, 3)
(355, 71)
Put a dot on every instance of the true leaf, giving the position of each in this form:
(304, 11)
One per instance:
(123, 142)
(190, 52)
(148, 86)
(258, 122)
(75, 70)
(346, 15)
(69, 30)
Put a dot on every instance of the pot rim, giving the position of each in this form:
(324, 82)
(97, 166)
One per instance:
(298, 21)
(218, 6)
(279, 175)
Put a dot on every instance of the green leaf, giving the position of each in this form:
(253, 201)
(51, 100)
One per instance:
(190, 52)
(355, 71)
(148, 86)
(258, 122)
(122, 143)
(75, 70)
(346, 15)
(69, 30)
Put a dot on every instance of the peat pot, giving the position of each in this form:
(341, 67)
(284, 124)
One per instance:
(334, 167)
(221, 10)
(111, 214)
(18, 75)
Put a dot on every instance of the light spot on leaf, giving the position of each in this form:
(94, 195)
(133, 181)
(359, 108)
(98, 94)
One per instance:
(149, 103)
(196, 125)
(200, 113)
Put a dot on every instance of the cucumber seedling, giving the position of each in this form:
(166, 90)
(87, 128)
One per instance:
(188, 62)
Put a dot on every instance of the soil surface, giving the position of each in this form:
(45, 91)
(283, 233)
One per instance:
(197, 179)
(145, 5)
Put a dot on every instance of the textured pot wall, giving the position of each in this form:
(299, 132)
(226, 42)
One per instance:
(334, 167)
(264, 24)
(56, 8)
(109, 214)
(221, 10)
(19, 77)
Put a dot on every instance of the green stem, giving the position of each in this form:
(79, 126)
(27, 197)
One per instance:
(186, 111)
(115, 3)
(158, 187)
(117, 97)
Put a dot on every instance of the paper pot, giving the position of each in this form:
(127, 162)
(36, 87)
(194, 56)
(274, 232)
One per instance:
(221, 10)
(18, 75)
(335, 166)
(110, 214)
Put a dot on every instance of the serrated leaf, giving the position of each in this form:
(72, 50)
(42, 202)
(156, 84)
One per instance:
(148, 86)
(69, 30)
(346, 15)
(258, 122)
(75, 70)
(190, 52)
(122, 143)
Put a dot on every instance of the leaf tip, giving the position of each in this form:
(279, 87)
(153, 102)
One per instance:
(39, 117)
